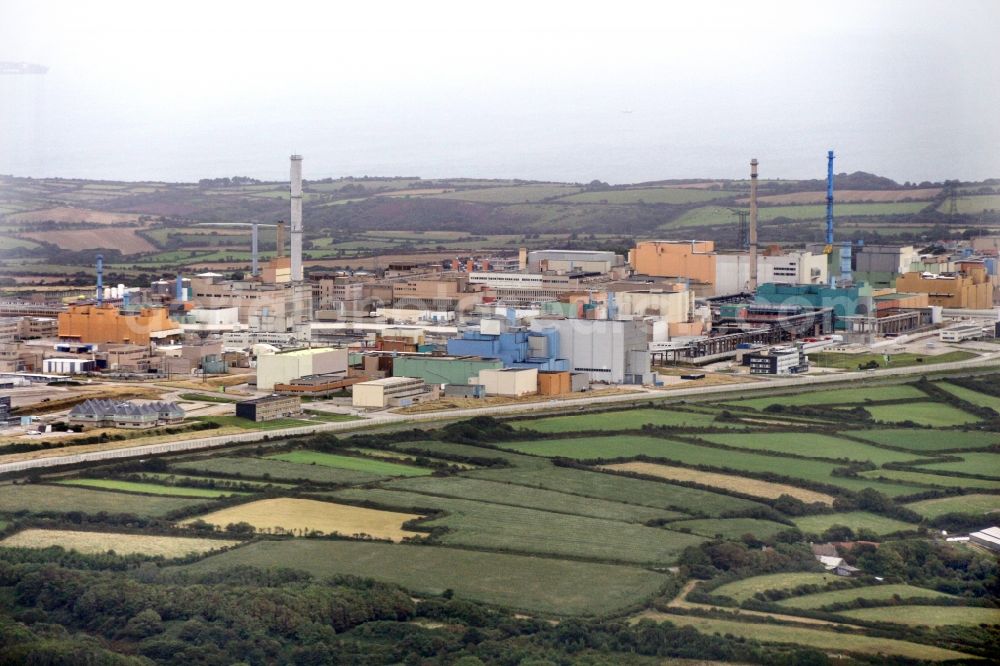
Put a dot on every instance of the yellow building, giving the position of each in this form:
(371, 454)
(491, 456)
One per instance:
(106, 324)
(969, 288)
(694, 260)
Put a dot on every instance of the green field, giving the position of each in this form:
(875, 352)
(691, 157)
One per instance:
(729, 528)
(830, 641)
(631, 419)
(929, 479)
(499, 527)
(616, 488)
(976, 504)
(207, 397)
(870, 593)
(809, 444)
(851, 361)
(934, 414)
(531, 498)
(844, 210)
(239, 422)
(979, 464)
(705, 216)
(40, 498)
(261, 468)
(849, 396)
(856, 520)
(968, 395)
(510, 195)
(923, 439)
(531, 584)
(649, 195)
(630, 446)
(148, 488)
(165, 477)
(973, 205)
(8, 242)
(931, 616)
(352, 463)
(746, 588)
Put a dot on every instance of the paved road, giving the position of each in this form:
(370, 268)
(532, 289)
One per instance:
(388, 418)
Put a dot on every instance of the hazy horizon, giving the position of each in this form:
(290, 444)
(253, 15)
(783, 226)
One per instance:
(563, 92)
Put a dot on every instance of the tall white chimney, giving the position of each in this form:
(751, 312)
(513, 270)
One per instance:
(296, 197)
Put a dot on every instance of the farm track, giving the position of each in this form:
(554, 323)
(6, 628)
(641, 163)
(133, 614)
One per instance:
(59, 458)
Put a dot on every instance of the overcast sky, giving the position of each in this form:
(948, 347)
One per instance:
(619, 91)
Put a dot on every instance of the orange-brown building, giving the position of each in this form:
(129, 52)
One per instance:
(554, 383)
(968, 288)
(107, 324)
(694, 260)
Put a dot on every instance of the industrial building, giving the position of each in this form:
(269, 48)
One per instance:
(269, 407)
(777, 361)
(99, 413)
(106, 323)
(968, 288)
(844, 301)
(608, 351)
(694, 260)
(574, 261)
(732, 270)
(509, 382)
(283, 367)
(443, 369)
(391, 392)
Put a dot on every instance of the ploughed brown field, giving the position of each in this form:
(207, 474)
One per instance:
(73, 215)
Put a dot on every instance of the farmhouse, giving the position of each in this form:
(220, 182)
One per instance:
(114, 414)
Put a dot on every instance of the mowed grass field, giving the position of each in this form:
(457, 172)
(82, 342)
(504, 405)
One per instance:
(812, 445)
(630, 446)
(826, 640)
(851, 361)
(931, 616)
(976, 463)
(739, 484)
(531, 498)
(148, 488)
(500, 527)
(931, 479)
(617, 489)
(923, 439)
(729, 528)
(649, 195)
(849, 396)
(818, 212)
(122, 544)
(975, 504)
(856, 520)
(746, 588)
(306, 515)
(352, 463)
(529, 584)
(869, 593)
(934, 414)
(975, 397)
(632, 419)
(263, 468)
(41, 498)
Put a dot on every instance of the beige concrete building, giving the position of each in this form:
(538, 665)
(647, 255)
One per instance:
(381, 393)
(283, 367)
(265, 306)
(694, 260)
(510, 382)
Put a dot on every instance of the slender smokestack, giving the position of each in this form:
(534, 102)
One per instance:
(296, 197)
(753, 225)
(100, 279)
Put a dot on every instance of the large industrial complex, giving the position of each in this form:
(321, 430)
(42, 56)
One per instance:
(518, 326)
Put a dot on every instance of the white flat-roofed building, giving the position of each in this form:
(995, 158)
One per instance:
(381, 393)
(988, 538)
